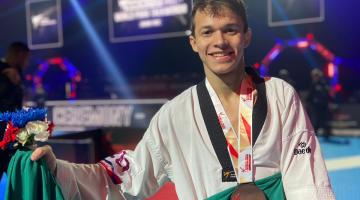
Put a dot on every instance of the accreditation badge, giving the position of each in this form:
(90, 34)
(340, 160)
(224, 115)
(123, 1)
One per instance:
(245, 166)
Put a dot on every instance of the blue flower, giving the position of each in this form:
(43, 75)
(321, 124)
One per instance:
(20, 118)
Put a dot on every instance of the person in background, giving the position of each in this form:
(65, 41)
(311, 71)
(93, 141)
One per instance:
(11, 88)
(235, 134)
(11, 68)
(318, 101)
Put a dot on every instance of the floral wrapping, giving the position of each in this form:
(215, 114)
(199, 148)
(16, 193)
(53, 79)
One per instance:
(24, 127)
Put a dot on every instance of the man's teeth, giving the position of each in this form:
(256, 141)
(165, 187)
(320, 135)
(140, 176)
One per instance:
(220, 54)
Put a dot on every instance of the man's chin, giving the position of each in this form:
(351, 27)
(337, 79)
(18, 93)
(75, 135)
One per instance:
(226, 71)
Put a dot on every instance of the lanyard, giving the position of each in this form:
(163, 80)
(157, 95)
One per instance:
(239, 145)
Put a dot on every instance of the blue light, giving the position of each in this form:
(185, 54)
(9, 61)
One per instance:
(292, 43)
(274, 54)
(104, 55)
(335, 79)
(337, 61)
(71, 69)
(263, 70)
(284, 17)
(313, 47)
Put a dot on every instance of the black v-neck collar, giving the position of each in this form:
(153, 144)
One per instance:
(260, 107)
(213, 127)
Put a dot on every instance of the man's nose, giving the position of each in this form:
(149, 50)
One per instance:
(220, 40)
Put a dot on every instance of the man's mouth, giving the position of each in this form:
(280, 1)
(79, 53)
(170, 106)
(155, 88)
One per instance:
(222, 56)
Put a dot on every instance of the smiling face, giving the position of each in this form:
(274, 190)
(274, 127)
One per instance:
(220, 41)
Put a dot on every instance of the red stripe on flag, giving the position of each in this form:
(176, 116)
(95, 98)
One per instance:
(247, 128)
(116, 179)
(232, 150)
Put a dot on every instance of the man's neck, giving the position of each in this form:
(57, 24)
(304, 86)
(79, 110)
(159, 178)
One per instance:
(226, 86)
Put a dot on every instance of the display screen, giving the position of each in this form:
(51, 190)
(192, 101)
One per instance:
(131, 20)
(44, 24)
(287, 12)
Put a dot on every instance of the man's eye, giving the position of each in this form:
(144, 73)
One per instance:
(231, 31)
(206, 33)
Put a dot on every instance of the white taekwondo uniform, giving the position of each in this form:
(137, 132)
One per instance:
(176, 147)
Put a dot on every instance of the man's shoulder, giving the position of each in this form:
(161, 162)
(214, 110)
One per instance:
(181, 99)
(179, 107)
(277, 84)
(175, 111)
(279, 91)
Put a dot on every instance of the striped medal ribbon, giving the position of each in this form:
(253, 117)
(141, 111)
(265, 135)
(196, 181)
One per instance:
(246, 104)
(239, 147)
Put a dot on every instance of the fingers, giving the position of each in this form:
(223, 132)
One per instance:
(48, 155)
(40, 152)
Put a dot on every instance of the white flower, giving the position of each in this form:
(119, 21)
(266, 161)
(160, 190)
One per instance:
(39, 129)
(22, 136)
(33, 131)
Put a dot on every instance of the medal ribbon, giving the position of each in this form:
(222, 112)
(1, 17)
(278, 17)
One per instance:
(246, 104)
(239, 147)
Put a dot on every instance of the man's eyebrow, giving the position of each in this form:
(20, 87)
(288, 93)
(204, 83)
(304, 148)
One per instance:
(206, 27)
(232, 25)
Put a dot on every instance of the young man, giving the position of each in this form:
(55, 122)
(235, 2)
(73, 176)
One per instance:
(266, 145)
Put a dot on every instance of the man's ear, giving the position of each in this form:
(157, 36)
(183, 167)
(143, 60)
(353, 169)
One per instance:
(192, 41)
(248, 37)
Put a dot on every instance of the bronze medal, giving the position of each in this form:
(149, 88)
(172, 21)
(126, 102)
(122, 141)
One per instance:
(247, 191)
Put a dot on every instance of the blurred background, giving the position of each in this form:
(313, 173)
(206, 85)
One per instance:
(103, 68)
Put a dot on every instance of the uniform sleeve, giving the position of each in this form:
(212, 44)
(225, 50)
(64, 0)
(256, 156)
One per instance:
(85, 181)
(127, 175)
(302, 164)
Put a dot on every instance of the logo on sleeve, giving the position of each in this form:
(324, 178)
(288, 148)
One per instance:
(302, 149)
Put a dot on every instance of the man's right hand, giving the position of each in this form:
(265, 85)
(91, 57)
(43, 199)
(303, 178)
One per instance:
(47, 153)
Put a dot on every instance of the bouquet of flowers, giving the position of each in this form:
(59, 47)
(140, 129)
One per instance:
(25, 127)
(28, 179)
